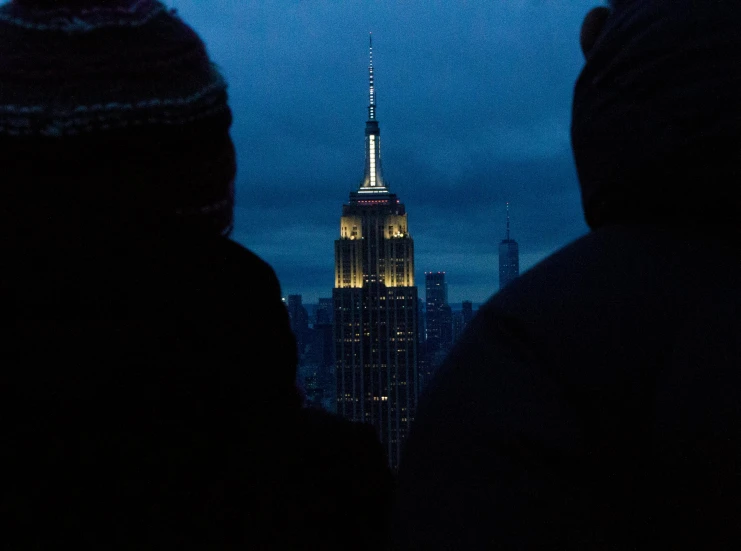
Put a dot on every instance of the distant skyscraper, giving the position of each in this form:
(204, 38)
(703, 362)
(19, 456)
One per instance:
(315, 339)
(438, 323)
(467, 311)
(375, 303)
(509, 258)
(299, 321)
(446, 328)
(438, 313)
(325, 311)
(458, 325)
(423, 365)
(462, 319)
(436, 290)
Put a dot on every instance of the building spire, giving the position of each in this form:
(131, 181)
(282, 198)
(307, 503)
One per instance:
(372, 90)
(507, 221)
(373, 180)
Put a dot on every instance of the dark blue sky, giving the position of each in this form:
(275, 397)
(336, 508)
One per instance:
(474, 102)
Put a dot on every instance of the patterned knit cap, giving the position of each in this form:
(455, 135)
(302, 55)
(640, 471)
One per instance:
(112, 118)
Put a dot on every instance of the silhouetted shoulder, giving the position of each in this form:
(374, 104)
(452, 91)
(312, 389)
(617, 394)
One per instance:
(239, 260)
(642, 271)
(207, 302)
(327, 483)
(226, 268)
(355, 443)
(579, 396)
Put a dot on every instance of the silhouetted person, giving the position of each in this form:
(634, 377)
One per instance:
(148, 367)
(596, 402)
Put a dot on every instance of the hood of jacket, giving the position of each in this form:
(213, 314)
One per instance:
(656, 125)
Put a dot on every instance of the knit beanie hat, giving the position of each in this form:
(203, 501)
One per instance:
(112, 119)
(656, 127)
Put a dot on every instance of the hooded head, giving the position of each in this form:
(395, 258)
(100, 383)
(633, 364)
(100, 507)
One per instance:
(656, 128)
(113, 121)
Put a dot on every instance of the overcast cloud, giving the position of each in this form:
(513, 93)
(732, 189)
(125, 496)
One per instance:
(474, 103)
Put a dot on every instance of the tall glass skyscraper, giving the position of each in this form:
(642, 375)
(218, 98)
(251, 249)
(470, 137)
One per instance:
(509, 258)
(375, 303)
(438, 325)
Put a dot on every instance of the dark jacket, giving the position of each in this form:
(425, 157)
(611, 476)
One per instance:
(594, 403)
(150, 402)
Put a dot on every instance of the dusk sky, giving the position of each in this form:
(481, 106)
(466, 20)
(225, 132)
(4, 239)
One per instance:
(474, 102)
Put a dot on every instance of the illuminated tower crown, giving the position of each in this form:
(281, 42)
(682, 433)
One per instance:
(373, 180)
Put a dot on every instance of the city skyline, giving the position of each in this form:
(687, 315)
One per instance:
(477, 101)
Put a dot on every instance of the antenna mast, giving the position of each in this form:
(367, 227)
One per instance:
(372, 90)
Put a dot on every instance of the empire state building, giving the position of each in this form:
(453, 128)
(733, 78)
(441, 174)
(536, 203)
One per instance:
(375, 303)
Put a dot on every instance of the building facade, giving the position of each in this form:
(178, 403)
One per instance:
(438, 313)
(509, 258)
(467, 312)
(375, 304)
(438, 323)
(299, 319)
